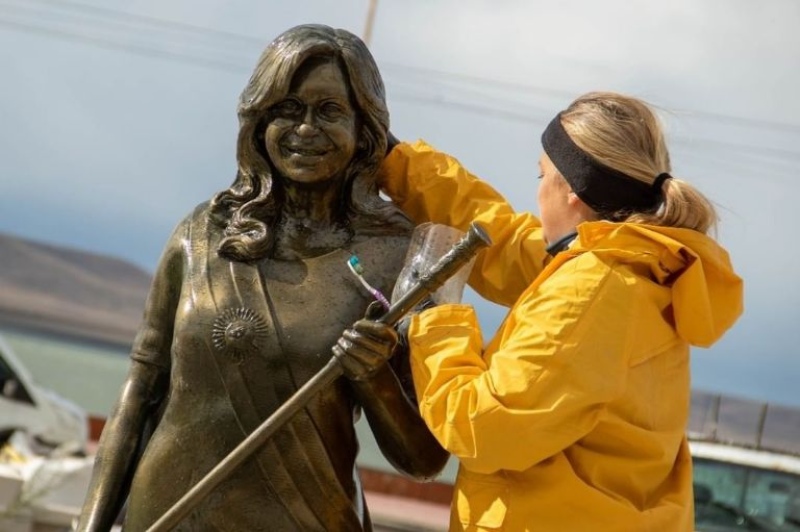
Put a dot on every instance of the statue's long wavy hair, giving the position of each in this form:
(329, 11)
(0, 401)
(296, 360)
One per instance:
(248, 210)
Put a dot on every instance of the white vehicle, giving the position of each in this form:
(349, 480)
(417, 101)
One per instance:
(746, 457)
(49, 419)
(44, 471)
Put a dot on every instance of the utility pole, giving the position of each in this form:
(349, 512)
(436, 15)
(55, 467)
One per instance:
(373, 6)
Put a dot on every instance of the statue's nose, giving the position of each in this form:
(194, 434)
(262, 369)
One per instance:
(308, 125)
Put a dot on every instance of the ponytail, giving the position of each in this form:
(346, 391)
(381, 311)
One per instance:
(683, 206)
(624, 134)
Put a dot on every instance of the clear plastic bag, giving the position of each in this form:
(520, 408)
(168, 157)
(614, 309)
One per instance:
(429, 243)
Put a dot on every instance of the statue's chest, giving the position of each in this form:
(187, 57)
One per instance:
(311, 302)
(273, 313)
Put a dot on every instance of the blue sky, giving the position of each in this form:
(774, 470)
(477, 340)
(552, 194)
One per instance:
(118, 117)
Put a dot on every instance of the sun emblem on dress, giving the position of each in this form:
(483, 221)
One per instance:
(238, 332)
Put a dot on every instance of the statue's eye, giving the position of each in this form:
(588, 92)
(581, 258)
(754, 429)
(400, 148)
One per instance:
(331, 110)
(288, 108)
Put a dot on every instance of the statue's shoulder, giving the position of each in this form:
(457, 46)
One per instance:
(202, 211)
(199, 225)
(385, 249)
(202, 220)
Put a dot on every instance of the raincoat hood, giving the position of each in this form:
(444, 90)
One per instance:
(707, 296)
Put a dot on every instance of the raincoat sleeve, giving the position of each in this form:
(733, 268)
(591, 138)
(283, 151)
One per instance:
(543, 383)
(431, 186)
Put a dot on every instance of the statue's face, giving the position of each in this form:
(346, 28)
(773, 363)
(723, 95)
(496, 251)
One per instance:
(313, 133)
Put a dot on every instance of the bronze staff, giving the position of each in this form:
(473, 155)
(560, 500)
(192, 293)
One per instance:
(446, 267)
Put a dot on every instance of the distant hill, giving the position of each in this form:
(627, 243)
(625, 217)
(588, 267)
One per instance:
(68, 291)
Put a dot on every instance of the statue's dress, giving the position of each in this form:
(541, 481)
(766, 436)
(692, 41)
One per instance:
(237, 339)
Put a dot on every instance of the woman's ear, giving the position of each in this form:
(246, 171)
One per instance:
(586, 213)
(573, 200)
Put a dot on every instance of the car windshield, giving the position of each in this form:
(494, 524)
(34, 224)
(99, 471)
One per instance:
(734, 497)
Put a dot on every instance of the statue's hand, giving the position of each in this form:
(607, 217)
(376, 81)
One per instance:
(364, 348)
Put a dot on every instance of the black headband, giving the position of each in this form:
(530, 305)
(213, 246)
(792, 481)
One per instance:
(604, 189)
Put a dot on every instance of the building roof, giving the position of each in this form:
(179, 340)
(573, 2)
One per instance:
(745, 423)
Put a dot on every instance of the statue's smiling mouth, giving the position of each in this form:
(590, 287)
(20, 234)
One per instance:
(305, 151)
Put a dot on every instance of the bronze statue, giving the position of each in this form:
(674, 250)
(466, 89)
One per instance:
(251, 292)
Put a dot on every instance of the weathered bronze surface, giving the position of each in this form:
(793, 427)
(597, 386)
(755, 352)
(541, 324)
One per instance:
(457, 257)
(251, 292)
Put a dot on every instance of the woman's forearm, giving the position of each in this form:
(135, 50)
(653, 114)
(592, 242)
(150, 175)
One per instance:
(431, 186)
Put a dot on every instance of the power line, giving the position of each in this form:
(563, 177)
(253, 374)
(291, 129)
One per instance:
(768, 151)
(470, 107)
(500, 103)
(744, 167)
(67, 5)
(150, 51)
(118, 34)
(428, 74)
(740, 120)
(440, 101)
(790, 156)
(234, 68)
(111, 45)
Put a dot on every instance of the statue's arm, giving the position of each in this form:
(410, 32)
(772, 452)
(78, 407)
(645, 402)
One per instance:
(399, 430)
(134, 415)
(116, 459)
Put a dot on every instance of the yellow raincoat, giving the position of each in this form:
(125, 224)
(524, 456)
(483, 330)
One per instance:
(573, 417)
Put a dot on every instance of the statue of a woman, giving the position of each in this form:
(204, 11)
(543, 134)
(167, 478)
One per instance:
(252, 291)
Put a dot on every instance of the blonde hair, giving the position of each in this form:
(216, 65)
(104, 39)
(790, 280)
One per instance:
(625, 134)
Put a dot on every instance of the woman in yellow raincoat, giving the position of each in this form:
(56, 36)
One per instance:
(572, 418)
